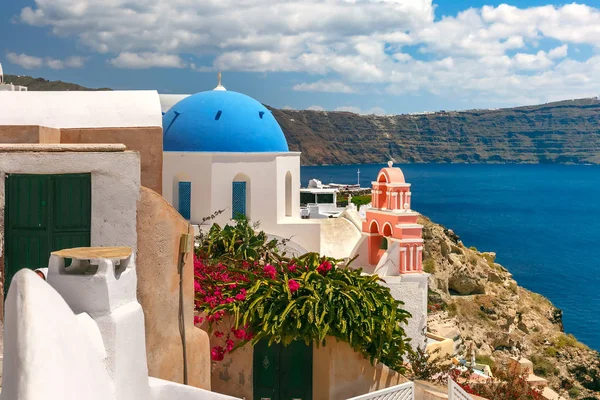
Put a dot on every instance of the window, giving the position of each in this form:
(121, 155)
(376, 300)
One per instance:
(288, 194)
(185, 199)
(238, 200)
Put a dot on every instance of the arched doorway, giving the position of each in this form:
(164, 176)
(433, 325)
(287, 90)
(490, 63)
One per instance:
(288, 194)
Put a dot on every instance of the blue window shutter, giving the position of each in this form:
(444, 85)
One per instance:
(238, 201)
(185, 199)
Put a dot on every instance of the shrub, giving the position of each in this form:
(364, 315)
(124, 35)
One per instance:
(473, 259)
(473, 248)
(562, 341)
(542, 366)
(504, 386)
(574, 392)
(239, 274)
(483, 359)
(550, 351)
(429, 265)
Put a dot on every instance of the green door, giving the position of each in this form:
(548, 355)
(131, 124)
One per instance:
(282, 373)
(44, 213)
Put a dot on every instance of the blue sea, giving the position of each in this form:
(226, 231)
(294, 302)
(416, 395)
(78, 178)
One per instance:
(543, 221)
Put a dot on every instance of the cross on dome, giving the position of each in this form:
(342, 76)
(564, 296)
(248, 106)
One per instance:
(219, 87)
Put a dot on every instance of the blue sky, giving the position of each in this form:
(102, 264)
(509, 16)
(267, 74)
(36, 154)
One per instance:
(368, 56)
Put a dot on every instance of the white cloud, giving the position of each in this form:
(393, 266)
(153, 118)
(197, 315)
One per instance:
(559, 52)
(147, 60)
(25, 61)
(324, 86)
(488, 52)
(32, 62)
(315, 108)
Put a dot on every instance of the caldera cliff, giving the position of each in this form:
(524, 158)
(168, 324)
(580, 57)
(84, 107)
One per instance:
(476, 301)
(561, 132)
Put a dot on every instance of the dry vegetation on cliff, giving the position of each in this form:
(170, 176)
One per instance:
(475, 300)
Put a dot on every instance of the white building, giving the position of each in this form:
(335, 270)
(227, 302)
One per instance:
(225, 151)
(9, 87)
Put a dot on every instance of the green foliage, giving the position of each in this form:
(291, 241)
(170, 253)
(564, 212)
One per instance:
(321, 301)
(550, 351)
(236, 242)
(491, 259)
(361, 200)
(428, 366)
(429, 265)
(483, 359)
(574, 392)
(542, 366)
(473, 248)
(563, 341)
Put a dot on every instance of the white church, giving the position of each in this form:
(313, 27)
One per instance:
(225, 151)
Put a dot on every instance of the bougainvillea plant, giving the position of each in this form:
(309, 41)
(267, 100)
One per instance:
(248, 291)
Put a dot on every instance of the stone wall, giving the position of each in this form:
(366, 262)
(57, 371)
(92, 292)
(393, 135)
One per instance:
(159, 228)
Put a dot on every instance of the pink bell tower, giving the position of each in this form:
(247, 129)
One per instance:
(391, 223)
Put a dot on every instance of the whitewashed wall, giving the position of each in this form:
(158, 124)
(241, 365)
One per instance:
(212, 174)
(82, 109)
(115, 188)
(412, 290)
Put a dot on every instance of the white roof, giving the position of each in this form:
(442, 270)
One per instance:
(85, 109)
(169, 100)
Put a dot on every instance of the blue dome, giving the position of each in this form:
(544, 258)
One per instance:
(221, 121)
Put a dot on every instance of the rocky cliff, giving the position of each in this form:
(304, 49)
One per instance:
(562, 132)
(476, 301)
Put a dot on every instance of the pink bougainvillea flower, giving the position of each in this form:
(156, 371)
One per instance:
(324, 267)
(270, 271)
(229, 345)
(292, 268)
(239, 333)
(293, 285)
(217, 353)
(219, 334)
(240, 297)
(198, 319)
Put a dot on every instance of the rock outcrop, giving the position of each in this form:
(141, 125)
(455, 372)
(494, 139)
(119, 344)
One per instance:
(476, 301)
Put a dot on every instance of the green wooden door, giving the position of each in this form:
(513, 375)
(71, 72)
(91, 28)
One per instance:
(44, 213)
(282, 373)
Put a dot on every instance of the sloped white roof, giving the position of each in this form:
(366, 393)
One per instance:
(169, 100)
(87, 109)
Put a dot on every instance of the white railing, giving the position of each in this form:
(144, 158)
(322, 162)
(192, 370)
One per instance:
(455, 392)
(405, 391)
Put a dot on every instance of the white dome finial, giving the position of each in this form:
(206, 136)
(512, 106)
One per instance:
(390, 164)
(1, 74)
(219, 87)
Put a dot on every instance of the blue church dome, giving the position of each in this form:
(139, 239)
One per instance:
(221, 121)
